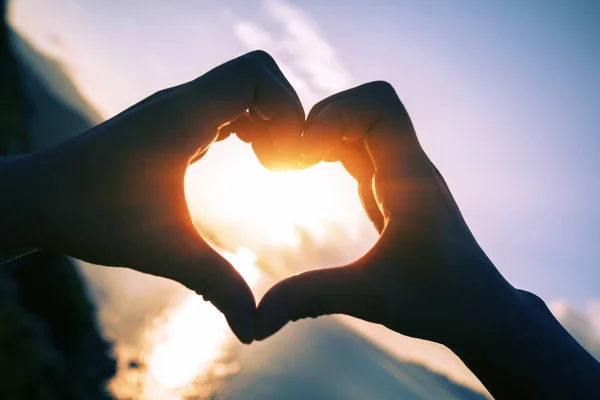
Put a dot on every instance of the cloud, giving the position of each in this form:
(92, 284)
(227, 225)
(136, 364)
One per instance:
(130, 302)
(307, 59)
(254, 36)
(583, 326)
(593, 312)
(314, 55)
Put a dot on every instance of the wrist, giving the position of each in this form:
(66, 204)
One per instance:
(499, 320)
(527, 353)
(520, 321)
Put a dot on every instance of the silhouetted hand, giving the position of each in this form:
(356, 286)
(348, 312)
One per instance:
(114, 195)
(426, 277)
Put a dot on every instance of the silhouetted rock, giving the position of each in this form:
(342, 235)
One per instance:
(50, 344)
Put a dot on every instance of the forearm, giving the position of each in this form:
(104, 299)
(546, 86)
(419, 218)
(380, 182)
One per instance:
(531, 356)
(17, 208)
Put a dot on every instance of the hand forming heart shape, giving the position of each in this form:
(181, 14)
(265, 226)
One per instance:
(124, 204)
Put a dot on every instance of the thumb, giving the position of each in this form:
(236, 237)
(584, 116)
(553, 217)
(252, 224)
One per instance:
(217, 281)
(310, 295)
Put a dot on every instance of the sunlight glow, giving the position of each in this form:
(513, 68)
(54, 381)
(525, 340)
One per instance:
(193, 335)
(238, 190)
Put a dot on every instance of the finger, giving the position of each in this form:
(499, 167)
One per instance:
(336, 122)
(227, 290)
(240, 124)
(403, 176)
(271, 64)
(322, 136)
(190, 115)
(356, 160)
(367, 92)
(189, 260)
(242, 127)
(369, 203)
(278, 105)
(404, 181)
(198, 155)
(309, 295)
(153, 97)
(256, 131)
(212, 277)
(284, 142)
(337, 128)
(248, 82)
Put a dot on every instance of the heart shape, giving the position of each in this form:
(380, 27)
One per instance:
(125, 203)
(291, 221)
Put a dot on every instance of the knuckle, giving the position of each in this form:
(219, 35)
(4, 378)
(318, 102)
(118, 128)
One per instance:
(384, 92)
(317, 109)
(382, 87)
(387, 98)
(262, 57)
(534, 299)
(322, 116)
(244, 66)
(330, 107)
(250, 64)
(161, 93)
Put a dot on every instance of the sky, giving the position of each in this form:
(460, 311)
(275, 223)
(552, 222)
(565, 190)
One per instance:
(505, 98)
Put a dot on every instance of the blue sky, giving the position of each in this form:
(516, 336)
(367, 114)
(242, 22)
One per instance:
(505, 96)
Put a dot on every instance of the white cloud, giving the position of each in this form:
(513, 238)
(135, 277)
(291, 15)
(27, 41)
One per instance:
(593, 312)
(314, 55)
(253, 36)
(308, 61)
(583, 326)
(559, 307)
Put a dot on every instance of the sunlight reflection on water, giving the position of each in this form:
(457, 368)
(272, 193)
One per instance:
(185, 350)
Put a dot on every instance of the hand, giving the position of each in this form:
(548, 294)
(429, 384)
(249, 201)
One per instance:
(114, 195)
(426, 276)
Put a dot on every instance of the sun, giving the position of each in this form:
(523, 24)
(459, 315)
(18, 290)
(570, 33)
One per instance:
(230, 187)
